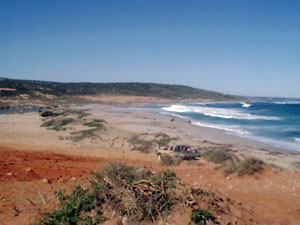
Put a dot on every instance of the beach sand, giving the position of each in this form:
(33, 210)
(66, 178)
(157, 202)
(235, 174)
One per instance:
(272, 195)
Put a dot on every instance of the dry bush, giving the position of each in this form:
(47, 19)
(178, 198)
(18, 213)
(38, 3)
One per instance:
(220, 156)
(141, 145)
(142, 196)
(247, 166)
(296, 165)
(169, 160)
(137, 194)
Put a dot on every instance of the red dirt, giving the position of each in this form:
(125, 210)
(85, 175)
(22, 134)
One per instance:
(273, 196)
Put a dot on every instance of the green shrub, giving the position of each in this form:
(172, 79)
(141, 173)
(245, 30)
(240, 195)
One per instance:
(119, 172)
(163, 141)
(65, 122)
(141, 145)
(296, 165)
(95, 123)
(201, 217)
(74, 209)
(48, 123)
(219, 156)
(247, 166)
(169, 160)
(82, 134)
(57, 124)
(82, 114)
(137, 194)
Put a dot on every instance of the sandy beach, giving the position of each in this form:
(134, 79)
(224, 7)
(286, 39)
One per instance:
(272, 192)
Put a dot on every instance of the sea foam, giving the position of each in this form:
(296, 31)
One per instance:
(288, 103)
(245, 105)
(297, 140)
(218, 112)
(231, 129)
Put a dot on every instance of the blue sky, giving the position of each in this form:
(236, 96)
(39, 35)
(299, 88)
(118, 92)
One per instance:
(236, 47)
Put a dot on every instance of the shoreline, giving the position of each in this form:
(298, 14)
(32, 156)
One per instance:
(282, 145)
(232, 138)
(237, 139)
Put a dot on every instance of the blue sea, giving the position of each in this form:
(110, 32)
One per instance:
(276, 123)
(17, 110)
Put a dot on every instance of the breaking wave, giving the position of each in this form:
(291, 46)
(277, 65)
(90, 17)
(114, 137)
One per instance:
(218, 112)
(245, 105)
(297, 140)
(288, 103)
(230, 129)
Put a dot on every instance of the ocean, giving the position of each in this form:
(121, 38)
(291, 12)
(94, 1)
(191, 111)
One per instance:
(276, 123)
(17, 110)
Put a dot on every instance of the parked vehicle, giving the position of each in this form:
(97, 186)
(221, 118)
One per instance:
(183, 151)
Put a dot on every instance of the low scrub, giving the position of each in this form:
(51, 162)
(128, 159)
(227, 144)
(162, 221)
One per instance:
(296, 165)
(80, 207)
(57, 124)
(138, 195)
(169, 160)
(82, 134)
(122, 190)
(82, 114)
(141, 145)
(48, 123)
(163, 141)
(140, 142)
(95, 123)
(219, 156)
(247, 166)
(201, 217)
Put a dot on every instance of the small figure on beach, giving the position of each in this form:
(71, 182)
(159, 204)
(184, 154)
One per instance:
(172, 120)
(190, 121)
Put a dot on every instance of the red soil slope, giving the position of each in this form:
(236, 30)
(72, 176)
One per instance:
(274, 196)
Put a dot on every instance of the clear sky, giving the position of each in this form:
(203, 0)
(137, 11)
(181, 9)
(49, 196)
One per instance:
(247, 47)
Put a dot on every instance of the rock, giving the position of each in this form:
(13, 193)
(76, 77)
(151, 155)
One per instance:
(73, 179)
(228, 178)
(9, 174)
(45, 181)
(60, 180)
(28, 169)
(230, 187)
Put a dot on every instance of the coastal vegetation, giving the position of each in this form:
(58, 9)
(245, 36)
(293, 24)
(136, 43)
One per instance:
(58, 123)
(40, 89)
(95, 125)
(169, 160)
(248, 166)
(296, 165)
(233, 164)
(201, 217)
(126, 192)
(220, 156)
(147, 143)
